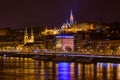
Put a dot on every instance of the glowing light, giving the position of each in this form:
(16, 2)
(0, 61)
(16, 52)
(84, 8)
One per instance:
(104, 64)
(4, 56)
(63, 71)
(64, 36)
(115, 65)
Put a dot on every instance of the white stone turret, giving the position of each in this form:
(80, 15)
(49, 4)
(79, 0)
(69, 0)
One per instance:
(71, 18)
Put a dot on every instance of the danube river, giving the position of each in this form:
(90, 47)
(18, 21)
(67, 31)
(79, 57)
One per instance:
(29, 69)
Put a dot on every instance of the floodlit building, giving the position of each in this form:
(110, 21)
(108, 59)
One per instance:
(27, 38)
(69, 27)
(65, 43)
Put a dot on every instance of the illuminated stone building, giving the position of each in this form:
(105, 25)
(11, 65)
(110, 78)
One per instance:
(27, 38)
(51, 31)
(69, 27)
(65, 43)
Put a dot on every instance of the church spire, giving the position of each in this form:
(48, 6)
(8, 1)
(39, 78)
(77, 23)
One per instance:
(32, 32)
(25, 36)
(26, 32)
(32, 36)
(71, 17)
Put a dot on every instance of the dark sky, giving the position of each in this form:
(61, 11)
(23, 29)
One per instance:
(56, 12)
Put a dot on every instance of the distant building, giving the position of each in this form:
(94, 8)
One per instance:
(70, 27)
(70, 23)
(65, 43)
(51, 31)
(27, 38)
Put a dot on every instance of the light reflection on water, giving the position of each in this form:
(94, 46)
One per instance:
(63, 71)
(29, 69)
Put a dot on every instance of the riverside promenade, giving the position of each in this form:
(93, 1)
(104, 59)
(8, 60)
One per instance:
(72, 57)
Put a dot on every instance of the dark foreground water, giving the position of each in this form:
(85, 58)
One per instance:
(29, 69)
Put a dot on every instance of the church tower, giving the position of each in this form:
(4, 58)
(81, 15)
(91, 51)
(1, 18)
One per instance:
(27, 38)
(32, 35)
(71, 18)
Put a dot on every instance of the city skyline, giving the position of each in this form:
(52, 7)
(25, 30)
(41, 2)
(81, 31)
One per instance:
(55, 13)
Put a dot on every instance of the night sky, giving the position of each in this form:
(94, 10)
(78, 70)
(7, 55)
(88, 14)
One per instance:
(56, 12)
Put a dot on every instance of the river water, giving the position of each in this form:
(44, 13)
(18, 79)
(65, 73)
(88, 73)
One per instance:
(29, 69)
